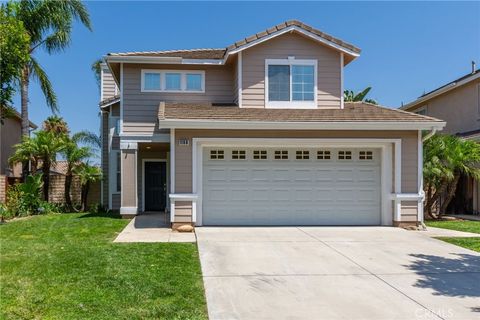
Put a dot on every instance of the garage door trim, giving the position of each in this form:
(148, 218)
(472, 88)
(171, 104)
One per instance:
(385, 145)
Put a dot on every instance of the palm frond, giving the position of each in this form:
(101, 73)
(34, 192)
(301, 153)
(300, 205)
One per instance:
(88, 138)
(45, 84)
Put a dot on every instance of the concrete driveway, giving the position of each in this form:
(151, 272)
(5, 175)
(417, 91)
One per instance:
(336, 273)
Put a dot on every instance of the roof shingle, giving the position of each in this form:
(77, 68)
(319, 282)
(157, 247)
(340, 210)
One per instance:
(353, 112)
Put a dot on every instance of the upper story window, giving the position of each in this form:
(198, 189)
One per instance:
(173, 81)
(290, 83)
(422, 111)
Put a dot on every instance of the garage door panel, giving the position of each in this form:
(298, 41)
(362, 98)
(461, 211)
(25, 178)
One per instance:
(291, 192)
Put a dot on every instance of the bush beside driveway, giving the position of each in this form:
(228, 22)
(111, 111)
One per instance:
(66, 267)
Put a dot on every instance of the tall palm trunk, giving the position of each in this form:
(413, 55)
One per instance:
(46, 178)
(68, 185)
(84, 195)
(452, 188)
(25, 81)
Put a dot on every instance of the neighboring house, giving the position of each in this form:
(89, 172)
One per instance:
(10, 135)
(458, 103)
(256, 134)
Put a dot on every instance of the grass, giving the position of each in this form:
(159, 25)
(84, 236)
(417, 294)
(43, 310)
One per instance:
(472, 243)
(66, 267)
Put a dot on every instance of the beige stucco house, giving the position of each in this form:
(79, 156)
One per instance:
(256, 133)
(458, 103)
(10, 135)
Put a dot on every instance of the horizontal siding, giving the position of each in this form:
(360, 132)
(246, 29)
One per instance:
(116, 201)
(109, 86)
(183, 155)
(328, 72)
(140, 109)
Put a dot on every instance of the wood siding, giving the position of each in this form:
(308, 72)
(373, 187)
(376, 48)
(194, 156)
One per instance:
(140, 109)
(109, 87)
(328, 73)
(105, 158)
(409, 211)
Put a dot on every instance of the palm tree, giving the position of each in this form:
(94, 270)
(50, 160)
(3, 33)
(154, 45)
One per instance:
(49, 25)
(87, 174)
(74, 155)
(446, 159)
(56, 125)
(42, 146)
(350, 96)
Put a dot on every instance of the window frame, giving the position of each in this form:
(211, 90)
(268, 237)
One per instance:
(163, 83)
(291, 61)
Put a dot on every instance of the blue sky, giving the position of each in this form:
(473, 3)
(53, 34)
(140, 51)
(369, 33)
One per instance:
(407, 48)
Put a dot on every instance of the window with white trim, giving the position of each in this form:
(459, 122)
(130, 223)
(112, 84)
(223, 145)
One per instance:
(302, 155)
(290, 83)
(344, 155)
(259, 154)
(173, 81)
(238, 155)
(217, 155)
(365, 155)
(281, 154)
(323, 155)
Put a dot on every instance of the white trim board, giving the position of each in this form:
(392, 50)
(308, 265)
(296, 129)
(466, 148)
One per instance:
(279, 125)
(166, 180)
(386, 146)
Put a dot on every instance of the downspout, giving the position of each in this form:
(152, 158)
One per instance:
(429, 135)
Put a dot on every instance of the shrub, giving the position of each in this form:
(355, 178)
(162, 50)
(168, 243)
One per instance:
(25, 198)
(14, 201)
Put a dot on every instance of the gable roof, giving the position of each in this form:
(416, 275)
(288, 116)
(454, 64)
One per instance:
(18, 116)
(357, 115)
(223, 53)
(443, 89)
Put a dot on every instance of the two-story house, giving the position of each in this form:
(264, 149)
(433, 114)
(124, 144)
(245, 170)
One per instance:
(458, 103)
(256, 133)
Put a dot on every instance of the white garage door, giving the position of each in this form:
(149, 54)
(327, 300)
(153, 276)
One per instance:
(291, 186)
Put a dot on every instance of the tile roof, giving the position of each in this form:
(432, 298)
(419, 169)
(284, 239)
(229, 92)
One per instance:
(353, 112)
(220, 53)
(185, 54)
(296, 23)
(451, 82)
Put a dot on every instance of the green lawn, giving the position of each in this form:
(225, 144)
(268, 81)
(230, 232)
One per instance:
(459, 225)
(66, 267)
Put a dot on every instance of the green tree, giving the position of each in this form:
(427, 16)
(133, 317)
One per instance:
(97, 71)
(87, 174)
(42, 147)
(446, 159)
(56, 125)
(75, 156)
(14, 49)
(49, 26)
(350, 96)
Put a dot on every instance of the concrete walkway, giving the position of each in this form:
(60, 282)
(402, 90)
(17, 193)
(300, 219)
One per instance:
(336, 273)
(152, 228)
(471, 217)
(440, 232)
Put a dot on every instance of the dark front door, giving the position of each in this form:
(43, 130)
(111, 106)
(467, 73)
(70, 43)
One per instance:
(155, 186)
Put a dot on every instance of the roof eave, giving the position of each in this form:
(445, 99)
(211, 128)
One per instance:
(440, 91)
(331, 44)
(298, 125)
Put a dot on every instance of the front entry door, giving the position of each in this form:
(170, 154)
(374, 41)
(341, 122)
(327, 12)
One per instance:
(155, 186)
